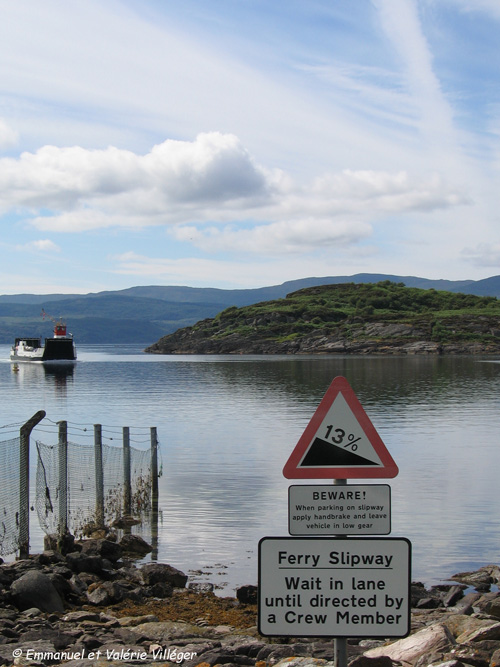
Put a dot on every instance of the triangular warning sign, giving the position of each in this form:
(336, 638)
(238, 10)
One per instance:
(340, 442)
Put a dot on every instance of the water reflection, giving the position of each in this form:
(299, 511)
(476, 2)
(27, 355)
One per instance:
(44, 376)
(227, 426)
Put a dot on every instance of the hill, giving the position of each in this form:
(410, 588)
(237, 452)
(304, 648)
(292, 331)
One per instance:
(359, 318)
(145, 313)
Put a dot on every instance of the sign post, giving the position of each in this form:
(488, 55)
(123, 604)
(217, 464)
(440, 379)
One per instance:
(337, 586)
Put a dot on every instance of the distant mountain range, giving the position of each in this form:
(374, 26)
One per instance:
(142, 315)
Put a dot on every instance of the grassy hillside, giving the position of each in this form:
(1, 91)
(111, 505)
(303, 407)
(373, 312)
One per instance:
(143, 314)
(346, 317)
(103, 318)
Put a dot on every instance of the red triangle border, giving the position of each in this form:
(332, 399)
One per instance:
(388, 469)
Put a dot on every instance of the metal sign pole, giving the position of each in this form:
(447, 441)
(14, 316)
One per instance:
(339, 442)
(340, 643)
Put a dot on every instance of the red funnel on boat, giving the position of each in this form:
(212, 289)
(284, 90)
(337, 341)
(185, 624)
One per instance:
(59, 330)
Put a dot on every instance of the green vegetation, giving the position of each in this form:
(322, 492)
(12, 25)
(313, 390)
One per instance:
(143, 314)
(355, 317)
(324, 308)
(105, 318)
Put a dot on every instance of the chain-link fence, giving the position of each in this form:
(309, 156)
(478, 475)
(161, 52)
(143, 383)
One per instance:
(10, 486)
(79, 487)
(81, 503)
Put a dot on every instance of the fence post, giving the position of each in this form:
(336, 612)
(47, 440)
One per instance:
(127, 495)
(154, 493)
(99, 477)
(154, 469)
(63, 478)
(24, 482)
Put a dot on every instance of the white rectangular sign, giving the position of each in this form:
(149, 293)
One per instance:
(351, 509)
(333, 587)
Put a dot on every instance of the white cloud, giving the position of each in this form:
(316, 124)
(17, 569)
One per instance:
(8, 136)
(490, 7)
(212, 180)
(336, 210)
(356, 130)
(42, 245)
(401, 23)
(385, 191)
(370, 91)
(278, 238)
(175, 176)
(45, 245)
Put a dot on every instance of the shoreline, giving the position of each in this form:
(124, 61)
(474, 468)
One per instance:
(94, 605)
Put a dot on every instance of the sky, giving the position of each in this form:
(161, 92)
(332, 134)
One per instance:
(244, 143)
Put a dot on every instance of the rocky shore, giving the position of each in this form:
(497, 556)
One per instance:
(383, 338)
(92, 605)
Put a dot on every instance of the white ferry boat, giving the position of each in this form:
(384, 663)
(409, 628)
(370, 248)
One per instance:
(57, 350)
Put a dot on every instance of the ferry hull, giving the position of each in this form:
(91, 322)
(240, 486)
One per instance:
(55, 351)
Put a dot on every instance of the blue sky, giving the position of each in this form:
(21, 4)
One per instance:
(242, 143)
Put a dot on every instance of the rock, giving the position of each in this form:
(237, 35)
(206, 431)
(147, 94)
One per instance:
(452, 595)
(79, 616)
(201, 586)
(134, 546)
(429, 603)
(466, 604)
(493, 608)
(63, 587)
(365, 661)
(469, 655)
(487, 630)
(110, 592)
(495, 659)
(247, 594)
(62, 544)
(156, 573)
(418, 592)
(446, 663)
(104, 548)
(162, 631)
(127, 621)
(159, 590)
(489, 603)
(422, 347)
(125, 521)
(41, 647)
(80, 562)
(480, 579)
(35, 589)
(435, 638)
(459, 623)
(49, 557)
(310, 662)
(448, 636)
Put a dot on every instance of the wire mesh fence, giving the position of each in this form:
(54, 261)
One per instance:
(10, 485)
(79, 487)
(82, 491)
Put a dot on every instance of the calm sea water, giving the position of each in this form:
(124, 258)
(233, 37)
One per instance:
(227, 425)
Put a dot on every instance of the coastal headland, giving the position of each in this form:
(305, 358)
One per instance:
(350, 318)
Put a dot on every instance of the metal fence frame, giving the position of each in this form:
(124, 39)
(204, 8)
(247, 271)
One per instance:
(24, 473)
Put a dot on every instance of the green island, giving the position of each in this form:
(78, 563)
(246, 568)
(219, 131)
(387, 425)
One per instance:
(348, 318)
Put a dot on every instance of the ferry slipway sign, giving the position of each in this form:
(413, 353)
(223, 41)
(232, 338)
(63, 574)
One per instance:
(340, 442)
(332, 587)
